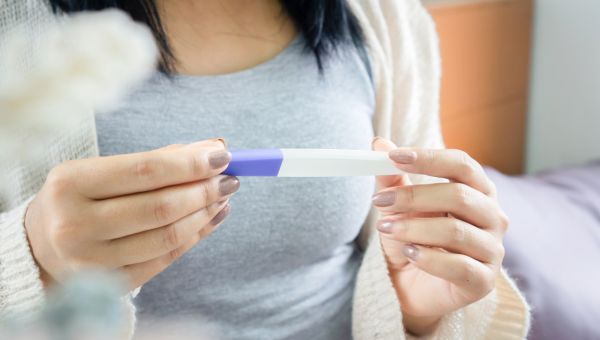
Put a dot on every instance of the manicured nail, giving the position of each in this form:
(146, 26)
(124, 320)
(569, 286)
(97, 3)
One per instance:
(385, 227)
(222, 140)
(220, 216)
(403, 156)
(228, 185)
(411, 252)
(384, 199)
(375, 139)
(218, 159)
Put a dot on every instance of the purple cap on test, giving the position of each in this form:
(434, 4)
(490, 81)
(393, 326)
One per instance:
(260, 162)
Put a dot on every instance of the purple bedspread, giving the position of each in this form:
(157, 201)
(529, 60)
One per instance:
(553, 248)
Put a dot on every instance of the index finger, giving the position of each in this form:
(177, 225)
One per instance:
(382, 144)
(113, 176)
(455, 165)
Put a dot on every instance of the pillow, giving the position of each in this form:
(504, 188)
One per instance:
(553, 248)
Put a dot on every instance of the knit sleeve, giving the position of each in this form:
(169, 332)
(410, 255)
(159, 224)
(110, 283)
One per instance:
(21, 290)
(404, 52)
(502, 314)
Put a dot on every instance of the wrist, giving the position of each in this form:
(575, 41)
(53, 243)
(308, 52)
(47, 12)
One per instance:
(420, 325)
(45, 277)
(414, 325)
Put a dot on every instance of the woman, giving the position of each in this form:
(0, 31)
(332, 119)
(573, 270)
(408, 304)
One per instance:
(287, 261)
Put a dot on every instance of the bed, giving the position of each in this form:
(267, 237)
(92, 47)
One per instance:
(553, 248)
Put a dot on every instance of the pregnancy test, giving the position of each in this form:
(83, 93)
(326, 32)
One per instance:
(310, 163)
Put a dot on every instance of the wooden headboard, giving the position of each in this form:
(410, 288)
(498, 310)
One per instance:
(485, 59)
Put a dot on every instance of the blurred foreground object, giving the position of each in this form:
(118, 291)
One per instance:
(49, 77)
(55, 70)
(90, 306)
(87, 306)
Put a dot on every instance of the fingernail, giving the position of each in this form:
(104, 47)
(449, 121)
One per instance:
(411, 252)
(218, 159)
(220, 216)
(403, 156)
(222, 140)
(228, 185)
(384, 199)
(385, 227)
(375, 139)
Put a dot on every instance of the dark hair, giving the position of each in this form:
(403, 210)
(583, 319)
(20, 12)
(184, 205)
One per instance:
(325, 24)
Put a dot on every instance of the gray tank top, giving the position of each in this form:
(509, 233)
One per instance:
(283, 264)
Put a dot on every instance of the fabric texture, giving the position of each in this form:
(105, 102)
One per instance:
(552, 245)
(404, 50)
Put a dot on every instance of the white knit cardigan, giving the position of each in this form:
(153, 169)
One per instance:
(403, 48)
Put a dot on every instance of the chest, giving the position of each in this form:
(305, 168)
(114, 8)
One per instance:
(286, 103)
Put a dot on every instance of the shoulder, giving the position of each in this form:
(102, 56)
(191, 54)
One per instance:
(385, 11)
(404, 48)
(398, 31)
(390, 23)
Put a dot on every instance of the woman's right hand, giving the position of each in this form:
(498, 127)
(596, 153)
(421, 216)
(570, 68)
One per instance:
(136, 213)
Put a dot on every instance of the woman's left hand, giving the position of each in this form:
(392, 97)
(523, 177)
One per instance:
(442, 242)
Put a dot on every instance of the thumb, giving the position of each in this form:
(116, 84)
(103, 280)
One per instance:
(382, 144)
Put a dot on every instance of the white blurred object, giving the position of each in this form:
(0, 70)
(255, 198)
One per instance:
(89, 306)
(58, 69)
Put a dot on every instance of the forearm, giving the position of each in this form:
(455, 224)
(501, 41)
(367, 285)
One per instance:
(420, 326)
